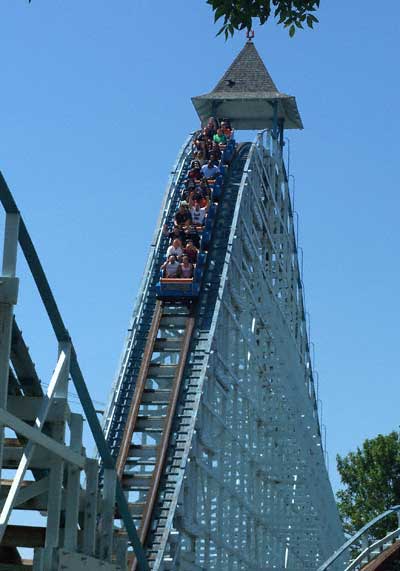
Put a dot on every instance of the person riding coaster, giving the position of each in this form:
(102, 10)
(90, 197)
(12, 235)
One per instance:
(193, 223)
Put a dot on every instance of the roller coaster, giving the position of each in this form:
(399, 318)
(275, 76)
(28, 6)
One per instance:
(210, 453)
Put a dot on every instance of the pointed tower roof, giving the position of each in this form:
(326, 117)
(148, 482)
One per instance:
(247, 95)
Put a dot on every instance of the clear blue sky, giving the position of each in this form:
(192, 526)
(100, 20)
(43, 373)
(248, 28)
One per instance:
(94, 105)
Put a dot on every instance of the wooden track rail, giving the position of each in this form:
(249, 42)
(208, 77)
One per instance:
(137, 396)
(386, 561)
(157, 387)
(162, 452)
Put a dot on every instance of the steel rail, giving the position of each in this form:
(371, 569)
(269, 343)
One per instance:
(379, 543)
(357, 536)
(62, 335)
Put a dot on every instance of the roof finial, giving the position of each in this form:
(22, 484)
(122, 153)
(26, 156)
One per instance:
(250, 35)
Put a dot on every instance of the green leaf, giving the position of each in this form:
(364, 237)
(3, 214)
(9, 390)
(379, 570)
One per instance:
(240, 14)
(219, 12)
(310, 21)
(223, 29)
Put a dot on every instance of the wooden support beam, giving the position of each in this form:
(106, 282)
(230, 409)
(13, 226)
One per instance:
(24, 566)
(28, 408)
(91, 508)
(8, 298)
(33, 434)
(54, 505)
(38, 502)
(57, 377)
(27, 491)
(107, 515)
(13, 453)
(23, 364)
(24, 536)
(10, 555)
(73, 486)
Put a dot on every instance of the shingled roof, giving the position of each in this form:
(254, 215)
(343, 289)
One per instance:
(247, 74)
(247, 95)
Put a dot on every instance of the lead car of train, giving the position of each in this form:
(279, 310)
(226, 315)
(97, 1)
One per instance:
(189, 288)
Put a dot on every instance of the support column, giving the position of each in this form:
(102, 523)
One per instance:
(8, 298)
(275, 120)
(73, 487)
(57, 469)
(281, 124)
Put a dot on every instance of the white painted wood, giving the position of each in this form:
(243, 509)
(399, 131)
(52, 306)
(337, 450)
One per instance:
(38, 559)
(35, 489)
(79, 562)
(28, 408)
(8, 298)
(90, 517)
(11, 232)
(41, 439)
(62, 387)
(30, 447)
(54, 501)
(73, 486)
(107, 515)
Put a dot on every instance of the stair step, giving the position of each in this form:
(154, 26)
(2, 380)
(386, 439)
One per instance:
(141, 462)
(156, 396)
(159, 383)
(142, 451)
(136, 509)
(145, 423)
(178, 311)
(163, 371)
(168, 344)
(138, 482)
(156, 409)
(173, 322)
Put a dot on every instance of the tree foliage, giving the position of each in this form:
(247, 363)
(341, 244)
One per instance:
(239, 14)
(371, 480)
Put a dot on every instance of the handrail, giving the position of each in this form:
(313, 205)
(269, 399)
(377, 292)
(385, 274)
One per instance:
(357, 536)
(373, 546)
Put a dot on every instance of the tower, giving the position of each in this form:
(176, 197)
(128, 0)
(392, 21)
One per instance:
(248, 97)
